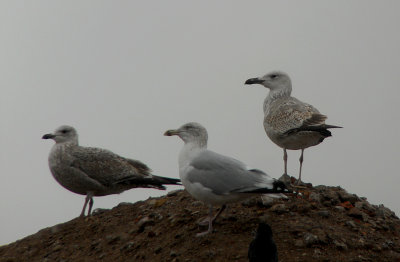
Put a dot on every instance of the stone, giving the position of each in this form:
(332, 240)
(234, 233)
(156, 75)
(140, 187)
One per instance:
(340, 208)
(251, 202)
(331, 196)
(359, 204)
(156, 216)
(340, 245)
(285, 178)
(152, 202)
(351, 224)
(111, 239)
(128, 246)
(143, 223)
(98, 211)
(344, 196)
(323, 213)
(267, 201)
(388, 244)
(315, 197)
(125, 204)
(321, 235)
(173, 192)
(157, 202)
(346, 204)
(196, 203)
(327, 203)
(57, 248)
(299, 243)
(279, 208)
(356, 213)
(303, 208)
(385, 212)
(310, 239)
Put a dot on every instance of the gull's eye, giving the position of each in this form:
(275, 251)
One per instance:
(273, 76)
(64, 131)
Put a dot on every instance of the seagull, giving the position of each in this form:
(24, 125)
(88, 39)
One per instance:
(263, 248)
(94, 171)
(289, 122)
(216, 179)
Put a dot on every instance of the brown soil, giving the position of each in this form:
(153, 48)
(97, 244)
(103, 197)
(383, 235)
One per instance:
(321, 224)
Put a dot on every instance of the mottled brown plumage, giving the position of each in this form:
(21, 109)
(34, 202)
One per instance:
(289, 122)
(94, 171)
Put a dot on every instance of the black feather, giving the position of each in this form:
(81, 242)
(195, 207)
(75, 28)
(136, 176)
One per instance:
(150, 181)
(278, 187)
(322, 129)
(263, 248)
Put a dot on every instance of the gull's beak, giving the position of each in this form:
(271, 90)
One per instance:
(171, 132)
(254, 81)
(48, 136)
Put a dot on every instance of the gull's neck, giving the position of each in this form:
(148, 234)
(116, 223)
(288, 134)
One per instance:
(276, 94)
(196, 144)
(190, 150)
(69, 143)
(60, 152)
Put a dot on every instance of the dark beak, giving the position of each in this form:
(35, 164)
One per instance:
(254, 81)
(171, 132)
(48, 136)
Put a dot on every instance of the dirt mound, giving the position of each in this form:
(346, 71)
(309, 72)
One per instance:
(320, 224)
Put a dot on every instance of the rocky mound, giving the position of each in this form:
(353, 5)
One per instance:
(319, 224)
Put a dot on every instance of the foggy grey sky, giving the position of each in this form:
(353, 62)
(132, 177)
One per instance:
(123, 72)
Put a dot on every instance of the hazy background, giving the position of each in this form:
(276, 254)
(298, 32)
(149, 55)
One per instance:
(123, 72)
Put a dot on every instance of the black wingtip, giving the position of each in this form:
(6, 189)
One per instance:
(332, 126)
(280, 187)
(277, 187)
(168, 180)
(322, 129)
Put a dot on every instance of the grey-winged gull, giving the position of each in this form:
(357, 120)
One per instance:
(289, 122)
(217, 179)
(94, 171)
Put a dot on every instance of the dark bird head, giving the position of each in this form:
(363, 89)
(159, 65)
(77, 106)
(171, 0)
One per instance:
(263, 247)
(63, 134)
(275, 81)
(264, 231)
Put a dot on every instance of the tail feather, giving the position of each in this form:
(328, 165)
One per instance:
(278, 187)
(322, 129)
(331, 126)
(168, 180)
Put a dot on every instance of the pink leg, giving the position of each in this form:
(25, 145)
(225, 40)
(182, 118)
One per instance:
(90, 206)
(89, 198)
(219, 212)
(210, 220)
(285, 160)
(301, 165)
(205, 221)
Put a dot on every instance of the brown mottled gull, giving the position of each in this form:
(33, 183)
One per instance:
(94, 171)
(216, 179)
(289, 122)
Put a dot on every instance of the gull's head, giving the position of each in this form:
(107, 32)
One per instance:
(190, 132)
(63, 134)
(274, 81)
